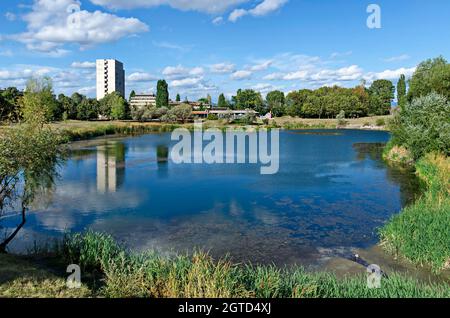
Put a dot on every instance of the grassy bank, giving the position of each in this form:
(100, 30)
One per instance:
(73, 130)
(421, 232)
(126, 274)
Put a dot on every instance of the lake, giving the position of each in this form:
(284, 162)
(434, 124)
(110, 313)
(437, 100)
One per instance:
(331, 194)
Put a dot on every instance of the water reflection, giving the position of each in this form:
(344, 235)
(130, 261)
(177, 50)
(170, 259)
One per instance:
(331, 194)
(110, 167)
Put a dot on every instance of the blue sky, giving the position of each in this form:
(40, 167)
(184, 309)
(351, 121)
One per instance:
(208, 46)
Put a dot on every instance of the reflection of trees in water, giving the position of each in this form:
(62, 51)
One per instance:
(110, 166)
(162, 154)
(403, 176)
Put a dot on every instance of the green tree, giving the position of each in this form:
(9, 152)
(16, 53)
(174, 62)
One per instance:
(38, 101)
(432, 75)
(162, 94)
(88, 109)
(249, 99)
(401, 91)
(181, 112)
(295, 102)
(29, 157)
(114, 106)
(132, 94)
(68, 106)
(276, 102)
(10, 109)
(222, 102)
(178, 99)
(381, 96)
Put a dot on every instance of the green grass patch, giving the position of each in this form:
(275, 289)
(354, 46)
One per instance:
(420, 233)
(150, 274)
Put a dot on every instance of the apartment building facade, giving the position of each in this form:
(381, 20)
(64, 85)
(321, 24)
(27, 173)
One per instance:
(110, 78)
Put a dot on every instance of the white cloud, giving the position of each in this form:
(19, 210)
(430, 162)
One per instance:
(217, 21)
(186, 82)
(390, 74)
(237, 14)
(222, 68)
(299, 75)
(262, 9)
(84, 65)
(399, 58)
(241, 75)
(88, 90)
(23, 73)
(208, 6)
(267, 6)
(141, 77)
(51, 24)
(180, 72)
(261, 66)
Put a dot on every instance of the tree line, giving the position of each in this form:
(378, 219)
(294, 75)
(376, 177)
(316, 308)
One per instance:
(325, 102)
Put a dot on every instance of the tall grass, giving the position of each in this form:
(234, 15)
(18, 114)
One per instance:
(96, 130)
(421, 232)
(128, 274)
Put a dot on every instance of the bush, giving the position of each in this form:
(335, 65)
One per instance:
(423, 126)
(380, 122)
(341, 118)
(213, 117)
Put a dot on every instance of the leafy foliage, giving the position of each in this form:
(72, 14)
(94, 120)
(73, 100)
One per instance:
(432, 75)
(423, 126)
(162, 94)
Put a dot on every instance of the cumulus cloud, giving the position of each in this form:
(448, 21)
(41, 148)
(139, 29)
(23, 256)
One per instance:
(261, 66)
(51, 24)
(241, 75)
(141, 77)
(181, 72)
(83, 65)
(237, 14)
(262, 9)
(208, 6)
(186, 82)
(222, 68)
(390, 74)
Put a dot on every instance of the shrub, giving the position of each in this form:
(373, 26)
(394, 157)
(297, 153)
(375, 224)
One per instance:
(213, 117)
(423, 126)
(380, 122)
(341, 118)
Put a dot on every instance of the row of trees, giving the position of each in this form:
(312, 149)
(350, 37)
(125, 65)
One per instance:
(325, 102)
(77, 106)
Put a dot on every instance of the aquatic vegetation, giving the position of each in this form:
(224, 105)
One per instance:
(127, 274)
(420, 232)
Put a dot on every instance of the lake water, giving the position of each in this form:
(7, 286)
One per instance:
(331, 194)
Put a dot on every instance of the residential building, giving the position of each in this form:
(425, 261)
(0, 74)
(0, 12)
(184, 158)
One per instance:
(110, 78)
(142, 100)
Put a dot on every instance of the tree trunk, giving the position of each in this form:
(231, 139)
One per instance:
(5, 243)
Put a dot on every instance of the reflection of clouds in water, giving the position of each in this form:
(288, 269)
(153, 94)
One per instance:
(70, 199)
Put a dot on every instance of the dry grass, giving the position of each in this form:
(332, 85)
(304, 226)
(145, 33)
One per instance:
(354, 123)
(24, 279)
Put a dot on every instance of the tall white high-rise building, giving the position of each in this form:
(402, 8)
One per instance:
(110, 78)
